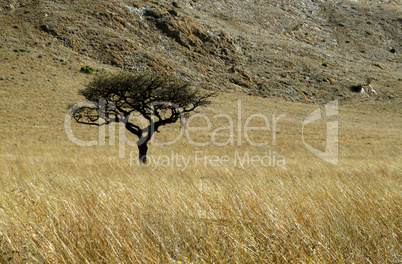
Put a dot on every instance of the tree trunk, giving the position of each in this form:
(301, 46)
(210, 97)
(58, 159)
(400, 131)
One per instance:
(142, 154)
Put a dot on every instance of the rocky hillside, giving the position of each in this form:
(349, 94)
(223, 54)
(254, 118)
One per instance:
(304, 50)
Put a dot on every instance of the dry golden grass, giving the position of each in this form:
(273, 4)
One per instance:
(61, 203)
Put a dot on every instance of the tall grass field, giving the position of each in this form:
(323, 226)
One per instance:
(230, 203)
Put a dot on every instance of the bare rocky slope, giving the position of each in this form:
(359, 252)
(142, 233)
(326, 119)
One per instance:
(305, 50)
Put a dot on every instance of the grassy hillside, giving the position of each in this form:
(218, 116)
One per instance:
(63, 203)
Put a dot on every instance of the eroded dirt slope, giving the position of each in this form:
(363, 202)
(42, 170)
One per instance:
(301, 50)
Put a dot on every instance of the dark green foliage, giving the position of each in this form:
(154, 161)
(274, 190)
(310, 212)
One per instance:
(87, 69)
(175, 4)
(392, 50)
(137, 92)
(152, 13)
(173, 12)
(356, 88)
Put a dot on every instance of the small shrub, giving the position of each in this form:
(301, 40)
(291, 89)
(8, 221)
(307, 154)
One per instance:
(209, 38)
(341, 24)
(392, 50)
(356, 88)
(87, 69)
(173, 12)
(175, 4)
(325, 65)
(152, 13)
(19, 50)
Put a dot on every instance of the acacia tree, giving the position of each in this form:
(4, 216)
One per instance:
(122, 97)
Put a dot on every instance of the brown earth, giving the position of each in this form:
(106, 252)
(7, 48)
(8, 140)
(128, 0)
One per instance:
(299, 50)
